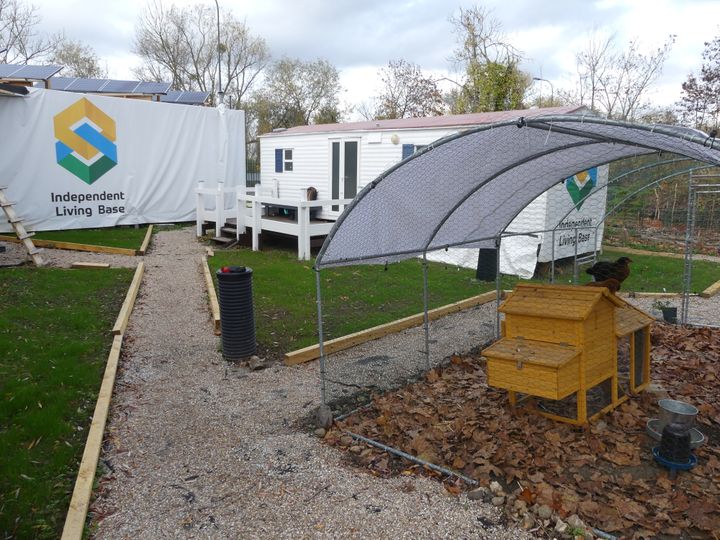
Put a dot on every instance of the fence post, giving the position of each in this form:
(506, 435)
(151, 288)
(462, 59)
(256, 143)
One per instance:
(200, 209)
(219, 208)
(256, 216)
(304, 235)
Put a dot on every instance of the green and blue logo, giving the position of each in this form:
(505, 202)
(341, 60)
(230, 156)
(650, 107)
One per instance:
(580, 185)
(85, 143)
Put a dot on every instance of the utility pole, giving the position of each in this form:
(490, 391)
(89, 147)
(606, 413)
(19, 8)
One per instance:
(552, 90)
(220, 93)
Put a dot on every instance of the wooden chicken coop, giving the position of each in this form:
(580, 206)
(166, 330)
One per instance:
(560, 340)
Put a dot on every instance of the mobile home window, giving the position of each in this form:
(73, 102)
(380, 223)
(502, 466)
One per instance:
(288, 161)
(283, 159)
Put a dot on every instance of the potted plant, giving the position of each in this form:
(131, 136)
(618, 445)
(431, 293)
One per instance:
(669, 312)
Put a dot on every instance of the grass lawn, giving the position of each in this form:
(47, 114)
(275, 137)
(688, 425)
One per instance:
(649, 273)
(54, 341)
(359, 297)
(123, 237)
(354, 297)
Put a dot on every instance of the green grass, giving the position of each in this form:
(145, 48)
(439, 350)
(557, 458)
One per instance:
(354, 298)
(359, 297)
(54, 341)
(650, 273)
(123, 237)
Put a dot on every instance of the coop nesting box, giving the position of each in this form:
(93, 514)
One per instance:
(558, 340)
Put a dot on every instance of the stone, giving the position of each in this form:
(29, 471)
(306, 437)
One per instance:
(256, 363)
(561, 526)
(479, 494)
(346, 440)
(355, 449)
(544, 511)
(366, 452)
(496, 489)
(520, 506)
(600, 426)
(528, 521)
(498, 501)
(320, 432)
(575, 522)
(323, 417)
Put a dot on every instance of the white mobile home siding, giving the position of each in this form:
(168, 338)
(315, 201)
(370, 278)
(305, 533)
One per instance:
(312, 151)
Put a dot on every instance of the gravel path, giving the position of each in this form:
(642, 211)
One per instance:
(202, 451)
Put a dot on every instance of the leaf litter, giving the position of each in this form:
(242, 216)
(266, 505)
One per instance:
(604, 473)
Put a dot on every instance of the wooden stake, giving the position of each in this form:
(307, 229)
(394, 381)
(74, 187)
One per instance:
(146, 241)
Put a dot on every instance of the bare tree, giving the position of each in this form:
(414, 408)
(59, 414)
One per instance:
(180, 46)
(19, 39)
(492, 79)
(79, 60)
(699, 104)
(297, 93)
(407, 92)
(615, 81)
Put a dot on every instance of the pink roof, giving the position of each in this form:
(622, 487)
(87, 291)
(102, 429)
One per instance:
(448, 121)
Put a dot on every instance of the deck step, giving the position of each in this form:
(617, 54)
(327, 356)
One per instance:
(223, 239)
(229, 230)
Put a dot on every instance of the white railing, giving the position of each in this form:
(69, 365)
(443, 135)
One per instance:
(252, 211)
(219, 214)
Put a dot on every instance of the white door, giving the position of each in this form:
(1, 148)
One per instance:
(344, 167)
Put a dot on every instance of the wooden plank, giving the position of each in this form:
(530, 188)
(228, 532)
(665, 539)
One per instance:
(711, 291)
(212, 296)
(126, 309)
(339, 344)
(89, 265)
(74, 247)
(77, 512)
(146, 241)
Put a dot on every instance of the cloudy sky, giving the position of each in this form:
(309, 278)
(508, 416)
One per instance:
(360, 36)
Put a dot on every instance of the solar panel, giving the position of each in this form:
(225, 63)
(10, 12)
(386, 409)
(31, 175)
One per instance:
(38, 73)
(107, 86)
(185, 98)
(153, 88)
(120, 87)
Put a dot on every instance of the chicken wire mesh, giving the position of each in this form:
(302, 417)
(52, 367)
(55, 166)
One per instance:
(435, 222)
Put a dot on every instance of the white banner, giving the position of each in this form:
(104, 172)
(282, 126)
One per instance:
(74, 161)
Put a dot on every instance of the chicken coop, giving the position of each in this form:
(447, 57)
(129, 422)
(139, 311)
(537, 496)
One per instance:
(559, 340)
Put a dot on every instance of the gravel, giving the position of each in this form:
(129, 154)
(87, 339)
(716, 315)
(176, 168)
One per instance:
(198, 448)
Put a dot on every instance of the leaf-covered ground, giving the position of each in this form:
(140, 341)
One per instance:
(605, 474)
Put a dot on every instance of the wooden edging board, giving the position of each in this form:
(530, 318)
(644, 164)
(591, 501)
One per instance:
(79, 264)
(73, 246)
(80, 500)
(339, 344)
(711, 291)
(124, 315)
(212, 295)
(146, 241)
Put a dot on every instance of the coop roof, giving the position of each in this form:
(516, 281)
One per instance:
(556, 301)
(465, 189)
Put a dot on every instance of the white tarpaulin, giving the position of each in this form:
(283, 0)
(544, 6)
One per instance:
(73, 161)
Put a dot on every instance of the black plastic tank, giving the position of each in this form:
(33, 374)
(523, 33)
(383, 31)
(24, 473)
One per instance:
(237, 315)
(487, 264)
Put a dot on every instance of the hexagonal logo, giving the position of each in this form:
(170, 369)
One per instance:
(85, 143)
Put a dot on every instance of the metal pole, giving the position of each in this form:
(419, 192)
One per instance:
(412, 458)
(687, 270)
(320, 337)
(498, 291)
(425, 312)
(221, 94)
(552, 255)
(575, 264)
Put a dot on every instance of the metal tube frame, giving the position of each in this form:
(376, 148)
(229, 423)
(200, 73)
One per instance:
(323, 384)
(426, 323)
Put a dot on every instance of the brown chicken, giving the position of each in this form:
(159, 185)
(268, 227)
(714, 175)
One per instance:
(618, 270)
(612, 284)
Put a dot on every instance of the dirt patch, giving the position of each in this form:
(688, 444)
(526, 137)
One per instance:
(605, 473)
